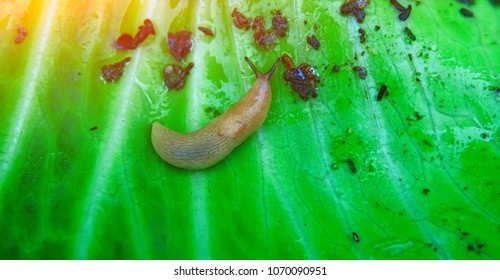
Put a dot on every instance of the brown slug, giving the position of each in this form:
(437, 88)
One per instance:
(212, 143)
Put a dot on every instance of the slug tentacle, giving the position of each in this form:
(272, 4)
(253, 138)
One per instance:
(261, 75)
(213, 142)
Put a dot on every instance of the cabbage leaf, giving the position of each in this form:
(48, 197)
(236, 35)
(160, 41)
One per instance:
(79, 178)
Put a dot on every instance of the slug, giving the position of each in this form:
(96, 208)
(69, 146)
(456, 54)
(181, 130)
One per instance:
(212, 143)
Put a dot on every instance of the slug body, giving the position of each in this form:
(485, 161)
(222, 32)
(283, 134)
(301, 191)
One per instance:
(212, 143)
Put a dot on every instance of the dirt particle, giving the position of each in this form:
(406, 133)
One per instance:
(361, 71)
(356, 8)
(410, 34)
(127, 42)
(180, 44)
(264, 38)
(466, 12)
(207, 31)
(240, 20)
(175, 76)
(287, 61)
(397, 5)
(113, 72)
(303, 79)
(21, 34)
(405, 14)
(280, 24)
(355, 237)
(362, 35)
(352, 166)
(381, 92)
(313, 41)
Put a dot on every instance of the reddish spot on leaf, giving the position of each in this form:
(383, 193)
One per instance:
(280, 24)
(356, 8)
(207, 31)
(175, 76)
(287, 61)
(264, 38)
(313, 41)
(241, 21)
(21, 33)
(127, 42)
(303, 79)
(144, 31)
(180, 44)
(258, 23)
(113, 72)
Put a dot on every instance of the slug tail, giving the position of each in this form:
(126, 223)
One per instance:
(259, 74)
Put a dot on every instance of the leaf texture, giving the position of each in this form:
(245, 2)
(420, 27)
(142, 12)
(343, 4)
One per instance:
(79, 178)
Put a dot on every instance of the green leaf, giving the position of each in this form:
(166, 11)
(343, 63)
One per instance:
(79, 177)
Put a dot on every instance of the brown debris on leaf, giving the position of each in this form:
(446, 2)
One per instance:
(175, 76)
(180, 44)
(410, 34)
(127, 42)
(21, 34)
(240, 20)
(280, 24)
(405, 12)
(313, 41)
(361, 71)
(303, 79)
(264, 38)
(113, 72)
(207, 31)
(362, 35)
(356, 8)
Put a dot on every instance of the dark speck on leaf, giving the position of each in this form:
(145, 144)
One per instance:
(410, 34)
(361, 70)
(405, 14)
(381, 92)
(362, 35)
(356, 8)
(352, 166)
(175, 76)
(207, 31)
(303, 79)
(466, 13)
(113, 72)
(313, 41)
(355, 237)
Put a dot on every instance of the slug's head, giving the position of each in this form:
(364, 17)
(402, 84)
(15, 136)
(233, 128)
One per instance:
(260, 75)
